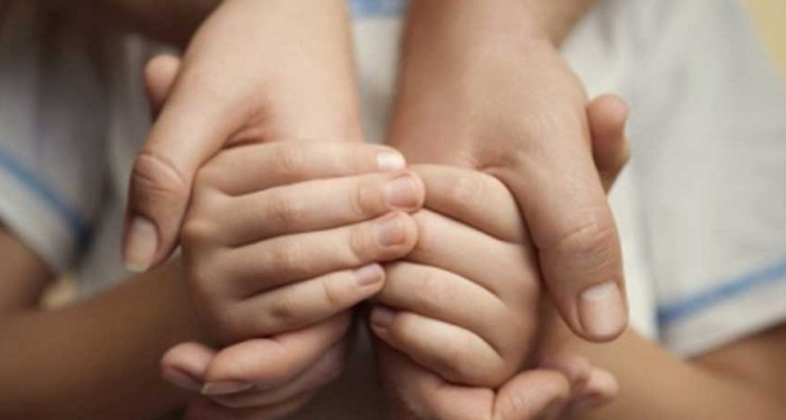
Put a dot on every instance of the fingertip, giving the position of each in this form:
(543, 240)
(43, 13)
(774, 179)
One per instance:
(602, 311)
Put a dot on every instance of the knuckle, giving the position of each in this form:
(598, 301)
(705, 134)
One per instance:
(197, 231)
(290, 158)
(435, 288)
(360, 245)
(466, 189)
(285, 310)
(290, 259)
(593, 232)
(334, 296)
(158, 177)
(361, 202)
(285, 208)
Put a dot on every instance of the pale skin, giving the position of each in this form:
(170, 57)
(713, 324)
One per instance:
(230, 83)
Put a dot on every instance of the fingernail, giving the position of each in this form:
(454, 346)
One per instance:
(390, 231)
(181, 379)
(602, 310)
(585, 404)
(402, 192)
(390, 161)
(382, 316)
(553, 411)
(225, 388)
(142, 245)
(369, 275)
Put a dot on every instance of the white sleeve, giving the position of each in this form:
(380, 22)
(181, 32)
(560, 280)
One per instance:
(51, 121)
(709, 151)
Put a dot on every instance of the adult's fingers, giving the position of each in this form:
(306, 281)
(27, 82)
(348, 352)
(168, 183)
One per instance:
(607, 117)
(186, 134)
(160, 74)
(563, 202)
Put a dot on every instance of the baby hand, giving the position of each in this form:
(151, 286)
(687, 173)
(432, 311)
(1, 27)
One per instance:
(280, 241)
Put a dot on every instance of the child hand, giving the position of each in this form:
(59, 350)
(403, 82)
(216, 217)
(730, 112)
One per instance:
(281, 240)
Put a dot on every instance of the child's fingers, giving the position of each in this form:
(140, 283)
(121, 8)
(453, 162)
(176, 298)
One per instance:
(327, 369)
(601, 389)
(279, 261)
(283, 163)
(317, 205)
(507, 270)
(445, 296)
(270, 363)
(607, 116)
(456, 354)
(474, 198)
(300, 304)
(185, 365)
(417, 393)
(205, 409)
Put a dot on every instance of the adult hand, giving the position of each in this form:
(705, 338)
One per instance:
(256, 71)
(476, 92)
(561, 383)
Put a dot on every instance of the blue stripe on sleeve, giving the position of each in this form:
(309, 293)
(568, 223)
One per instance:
(671, 313)
(48, 195)
(378, 8)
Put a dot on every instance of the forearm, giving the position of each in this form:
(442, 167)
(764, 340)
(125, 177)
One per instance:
(98, 358)
(656, 385)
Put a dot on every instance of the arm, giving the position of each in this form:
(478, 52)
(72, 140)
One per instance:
(742, 380)
(94, 359)
(483, 85)
(256, 72)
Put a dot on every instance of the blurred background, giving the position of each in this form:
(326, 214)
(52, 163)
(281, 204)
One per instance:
(769, 16)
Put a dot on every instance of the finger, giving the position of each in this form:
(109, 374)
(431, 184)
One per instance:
(446, 297)
(474, 198)
(283, 163)
(205, 409)
(268, 363)
(186, 134)
(319, 205)
(417, 393)
(185, 365)
(508, 270)
(326, 370)
(601, 390)
(607, 116)
(283, 260)
(160, 74)
(301, 304)
(454, 353)
(536, 394)
(564, 205)
(576, 369)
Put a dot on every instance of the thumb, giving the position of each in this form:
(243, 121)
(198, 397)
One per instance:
(607, 116)
(190, 129)
(185, 365)
(536, 394)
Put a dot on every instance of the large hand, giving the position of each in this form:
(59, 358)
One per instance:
(480, 97)
(256, 71)
(415, 374)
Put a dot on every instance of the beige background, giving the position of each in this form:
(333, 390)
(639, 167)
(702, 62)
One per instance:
(770, 16)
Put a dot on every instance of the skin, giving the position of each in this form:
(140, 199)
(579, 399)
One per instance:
(482, 85)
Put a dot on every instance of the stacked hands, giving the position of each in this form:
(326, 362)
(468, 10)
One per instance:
(283, 240)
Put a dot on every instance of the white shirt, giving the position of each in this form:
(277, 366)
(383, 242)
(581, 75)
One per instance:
(700, 208)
